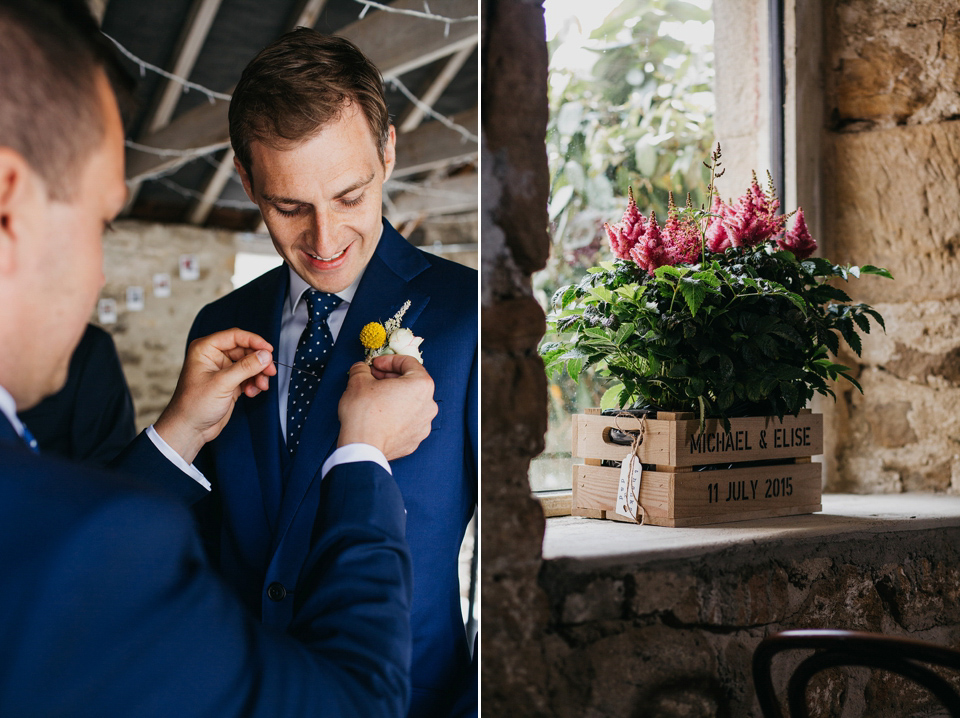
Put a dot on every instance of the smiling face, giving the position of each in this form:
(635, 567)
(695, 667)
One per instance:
(321, 199)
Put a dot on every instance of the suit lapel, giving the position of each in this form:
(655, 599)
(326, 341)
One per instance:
(384, 288)
(261, 411)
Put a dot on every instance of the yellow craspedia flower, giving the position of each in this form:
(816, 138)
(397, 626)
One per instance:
(373, 335)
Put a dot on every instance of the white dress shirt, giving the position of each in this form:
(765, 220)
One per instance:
(9, 408)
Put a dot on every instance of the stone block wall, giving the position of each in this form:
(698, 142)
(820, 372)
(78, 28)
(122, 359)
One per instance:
(891, 197)
(676, 638)
(514, 387)
(669, 638)
(151, 343)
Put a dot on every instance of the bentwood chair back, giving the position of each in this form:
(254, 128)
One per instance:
(834, 648)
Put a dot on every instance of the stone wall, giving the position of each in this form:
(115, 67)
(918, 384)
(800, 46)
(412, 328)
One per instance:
(676, 638)
(892, 198)
(151, 342)
(513, 404)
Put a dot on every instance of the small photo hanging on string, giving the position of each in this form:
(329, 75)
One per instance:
(135, 301)
(189, 268)
(161, 285)
(107, 311)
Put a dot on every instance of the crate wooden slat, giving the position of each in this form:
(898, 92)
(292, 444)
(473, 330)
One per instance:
(674, 494)
(680, 442)
(698, 497)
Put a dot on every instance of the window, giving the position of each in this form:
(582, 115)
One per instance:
(631, 106)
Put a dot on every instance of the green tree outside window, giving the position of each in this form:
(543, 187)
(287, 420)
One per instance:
(633, 106)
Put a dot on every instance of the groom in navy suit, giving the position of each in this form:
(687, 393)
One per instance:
(108, 605)
(314, 146)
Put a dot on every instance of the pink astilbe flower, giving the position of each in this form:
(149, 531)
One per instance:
(681, 237)
(750, 220)
(625, 234)
(718, 237)
(649, 251)
(797, 239)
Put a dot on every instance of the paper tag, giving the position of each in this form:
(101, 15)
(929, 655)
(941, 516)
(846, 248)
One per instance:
(628, 493)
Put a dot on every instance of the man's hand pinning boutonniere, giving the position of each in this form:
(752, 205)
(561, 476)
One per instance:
(390, 338)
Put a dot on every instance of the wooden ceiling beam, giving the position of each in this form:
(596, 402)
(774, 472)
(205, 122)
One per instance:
(433, 89)
(451, 195)
(204, 125)
(98, 8)
(192, 38)
(397, 43)
(306, 16)
(214, 188)
(308, 13)
(433, 146)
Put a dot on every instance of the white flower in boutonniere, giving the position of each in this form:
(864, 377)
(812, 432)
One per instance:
(390, 338)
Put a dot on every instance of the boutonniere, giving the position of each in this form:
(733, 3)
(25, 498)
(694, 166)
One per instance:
(390, 338)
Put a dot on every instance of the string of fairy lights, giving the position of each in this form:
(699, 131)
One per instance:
(181, 157)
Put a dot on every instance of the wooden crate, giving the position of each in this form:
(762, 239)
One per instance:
(675, 494)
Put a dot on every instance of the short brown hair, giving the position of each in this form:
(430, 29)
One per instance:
(50, 109)
(297, 85)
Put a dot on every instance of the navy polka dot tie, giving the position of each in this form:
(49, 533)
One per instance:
(313, 351)
(30, 441)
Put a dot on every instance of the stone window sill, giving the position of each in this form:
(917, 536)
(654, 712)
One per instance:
(844, 516)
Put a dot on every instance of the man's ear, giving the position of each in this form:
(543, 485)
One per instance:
(15, 192)
(390, 154)
(244, 178)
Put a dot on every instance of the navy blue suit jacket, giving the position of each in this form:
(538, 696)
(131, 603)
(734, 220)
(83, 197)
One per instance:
(91, 418)
(261, 510)
(110, 607)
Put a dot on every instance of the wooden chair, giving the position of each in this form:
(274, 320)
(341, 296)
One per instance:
(835, 648)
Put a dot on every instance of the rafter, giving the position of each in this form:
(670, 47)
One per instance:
(98, 9)
(433, 89)
(192, 37)
(191, 41)
(432, 146)
(395, 43)
(308, 13)
(306, 17)
(448, 196)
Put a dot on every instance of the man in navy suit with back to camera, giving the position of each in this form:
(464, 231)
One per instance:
(314, 146)
(109, 606)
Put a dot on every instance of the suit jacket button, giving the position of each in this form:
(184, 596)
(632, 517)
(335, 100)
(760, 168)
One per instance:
(276, 591)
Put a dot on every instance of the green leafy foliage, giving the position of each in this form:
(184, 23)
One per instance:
(749, 331)
(640, 115)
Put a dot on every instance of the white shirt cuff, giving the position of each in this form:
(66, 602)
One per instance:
(175, 458)
(355, 452)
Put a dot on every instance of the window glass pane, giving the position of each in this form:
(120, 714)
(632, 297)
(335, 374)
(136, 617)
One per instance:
(631, 105)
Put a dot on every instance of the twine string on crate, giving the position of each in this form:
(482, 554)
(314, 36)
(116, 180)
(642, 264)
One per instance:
(634, 456)
(640, 431)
